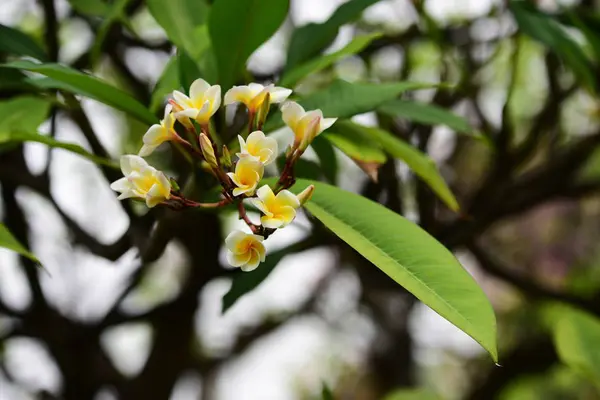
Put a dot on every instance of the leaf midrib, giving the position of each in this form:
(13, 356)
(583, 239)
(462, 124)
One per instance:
(415, 277)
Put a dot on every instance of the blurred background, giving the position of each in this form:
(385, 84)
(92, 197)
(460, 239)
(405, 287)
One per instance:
(129, 304)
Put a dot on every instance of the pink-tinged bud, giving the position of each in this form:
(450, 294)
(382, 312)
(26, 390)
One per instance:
(306, 194)
(207, 150)
(312, 130)
(176, 106)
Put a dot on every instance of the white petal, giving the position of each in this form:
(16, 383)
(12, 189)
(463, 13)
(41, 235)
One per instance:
(279, 94)
(242, 143)
(131, 163)
(188, 112)
(312, 115)
(265, 194)
(288, 198)
(242, 94)
(198, 88)
(254, 138)
(291, 113)
(326, 123)
(261, 206)
(165, 185)
(168, 109)
(213, 94)
(238, 260)
(147, 149)
(233, 239)
(253, 261)
(120, 185)
(127, 195)
(255, 88)
(271, 144)
(204, 113)
(266, 156)
(181, 99)
(154, 135)
(271, 223)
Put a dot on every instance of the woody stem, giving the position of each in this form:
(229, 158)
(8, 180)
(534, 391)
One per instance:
(244, 216)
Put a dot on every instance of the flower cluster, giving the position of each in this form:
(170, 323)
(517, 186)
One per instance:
(240, 180)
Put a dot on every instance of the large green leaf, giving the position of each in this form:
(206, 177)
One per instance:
(408, 255)
(168, 81)
(309, 40)
(546, 30)
(17, 137)
(8, 241)
(292, 77)
(65, 78)
(237, 28)
(423, 166)
(181, 19)
(13, 41)
(343, 99)
(577, 339)
(327, 158)
(426, 114)
(354, 141)
(22, 114)
(20, 118)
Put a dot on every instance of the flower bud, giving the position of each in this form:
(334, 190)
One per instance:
(263, 111)
(207, 150)
(174, 185)
(306, 194)
(312, 130)
(226, 159)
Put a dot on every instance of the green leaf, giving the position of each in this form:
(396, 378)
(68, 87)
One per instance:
(408, 255)
(426, 114)
(188, 69)
(576, 337)
(237, 28)
(115, 13)
(423, 166)
(546, 30)
(354, 141)
(22, 114)
(168, 81)
(245, 282)
(327, 158)
(291, 78)
(309, 40)
(180, 19)
(326, 393)
(20, 118)
(95, 8)
(13, 80)
(8, 241)
(342, 99)
(17, 137)
(13, 41)
(65, 78)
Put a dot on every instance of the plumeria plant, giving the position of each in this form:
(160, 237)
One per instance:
(240, 181)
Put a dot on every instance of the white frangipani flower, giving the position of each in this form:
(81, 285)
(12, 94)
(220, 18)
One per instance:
(257, 145)
(142, 181)
(203, 103)
(253, 95)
